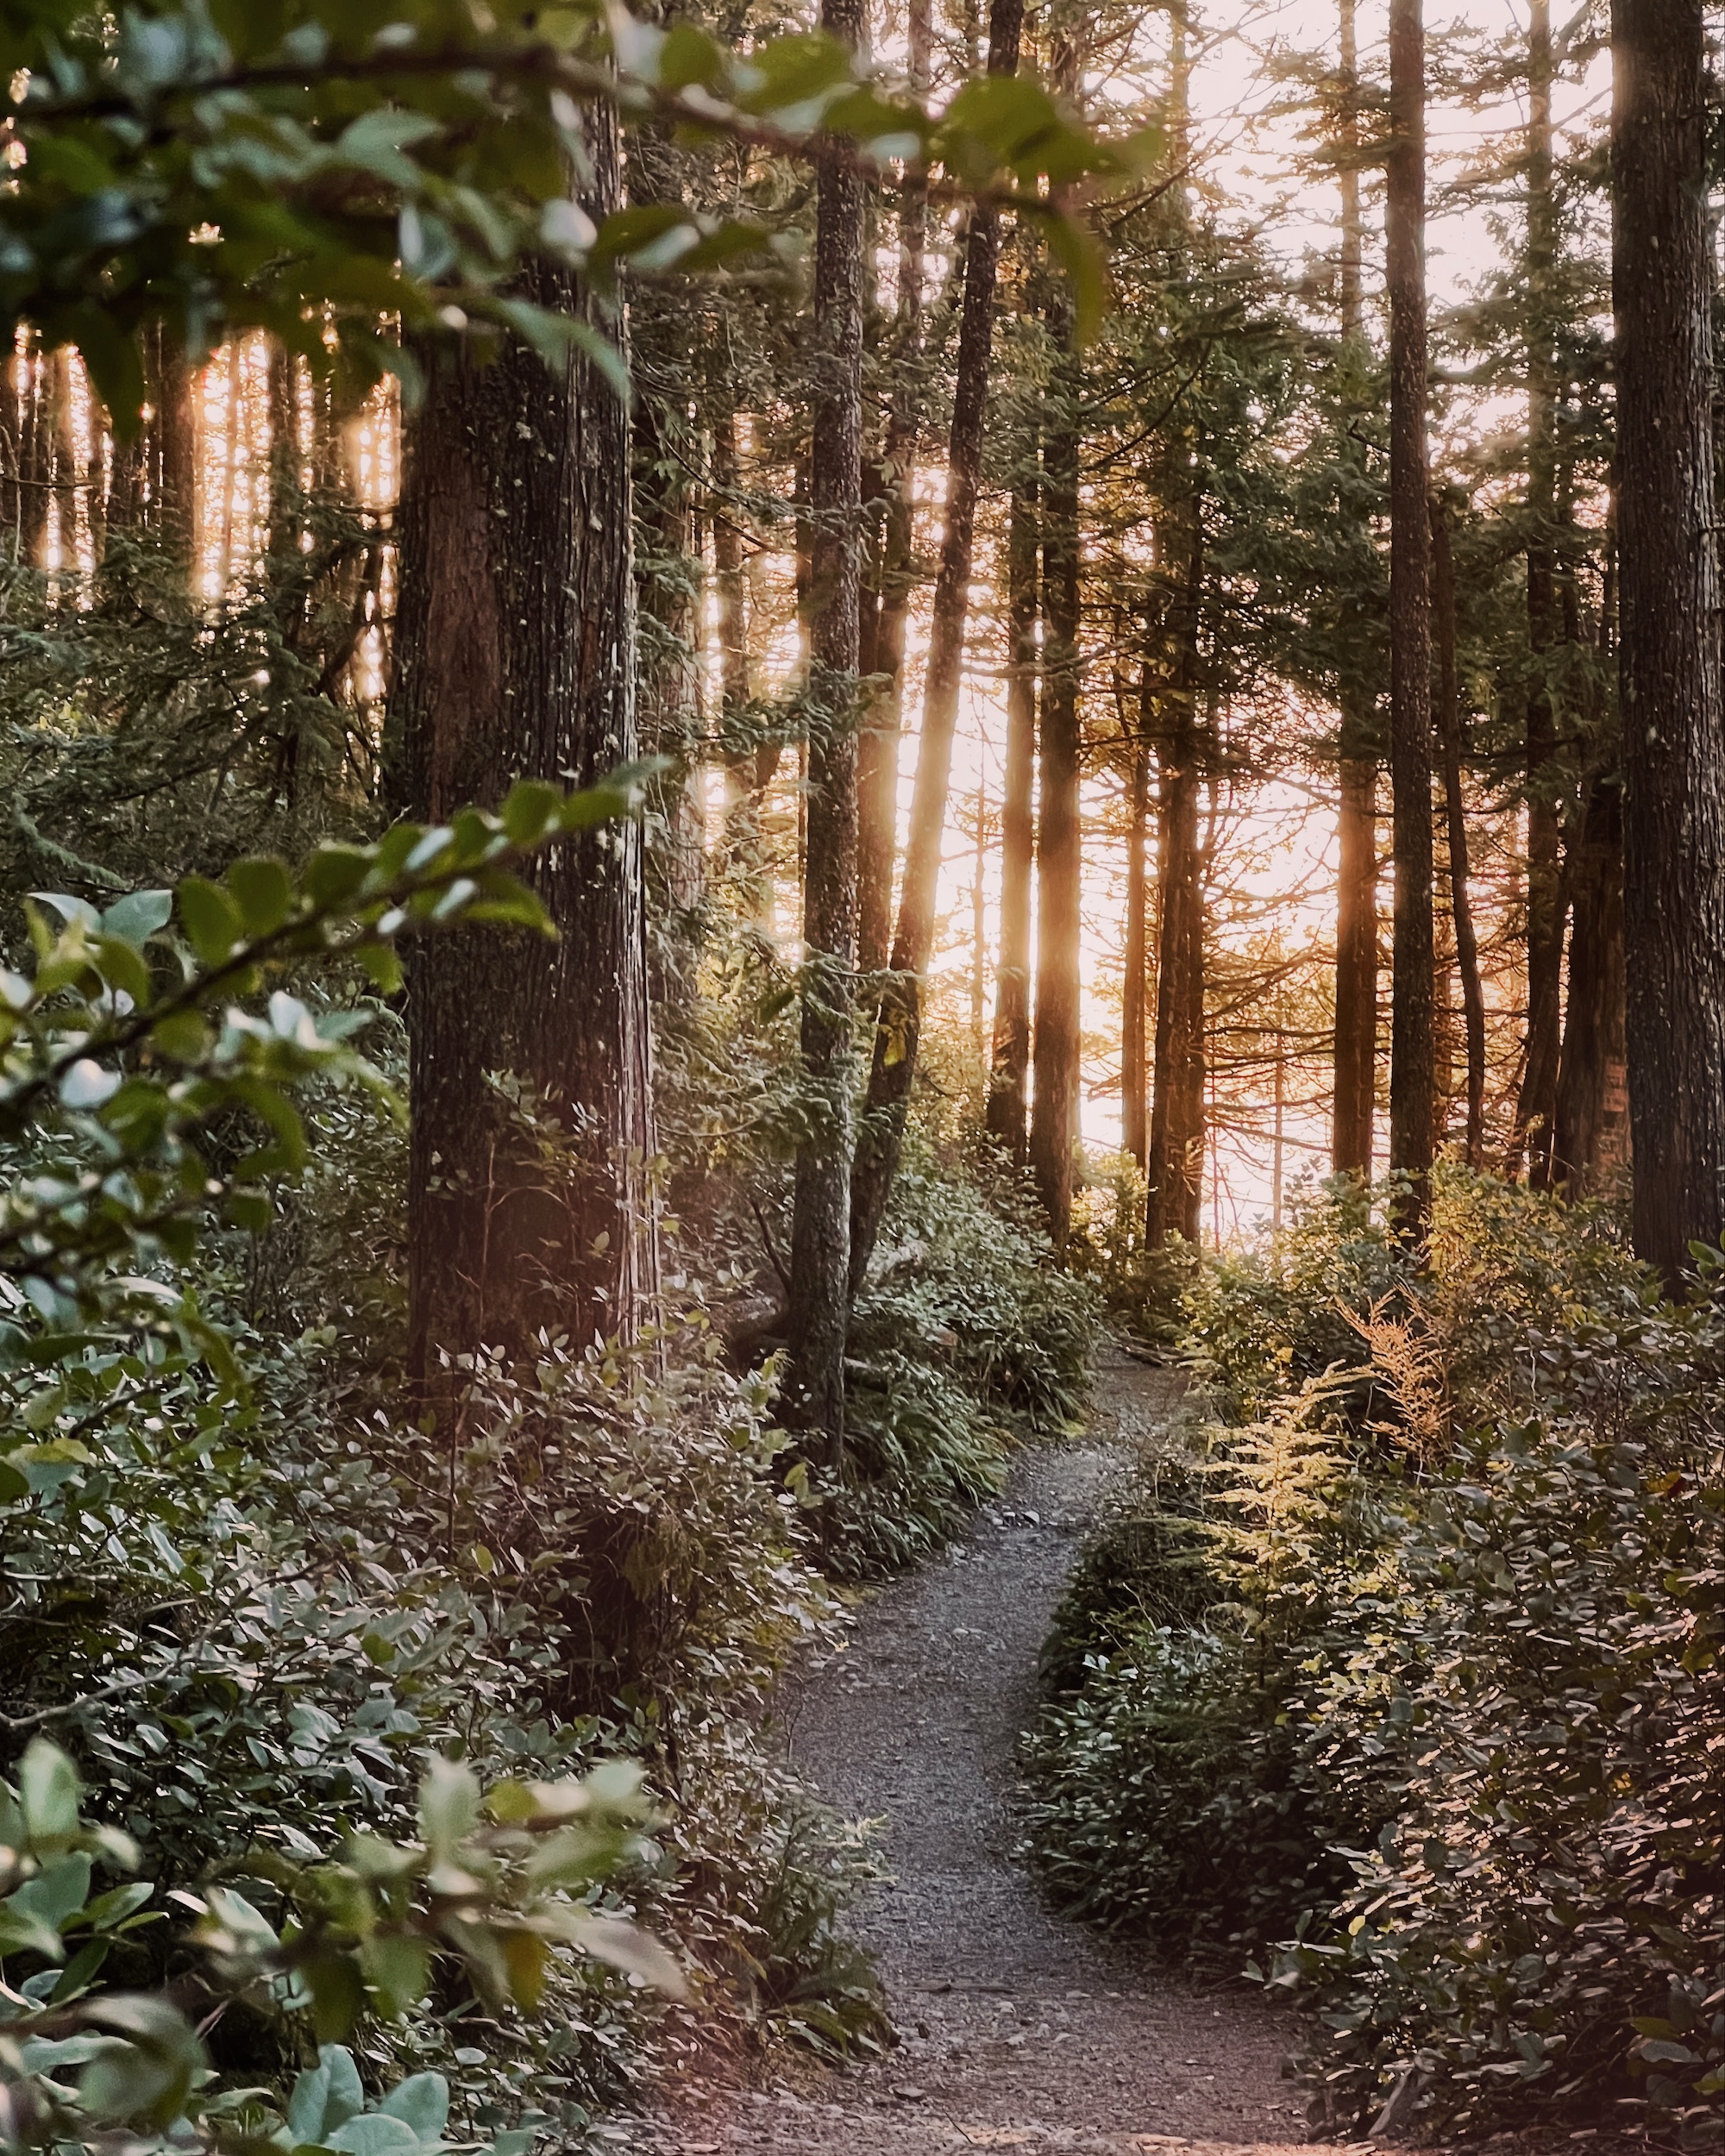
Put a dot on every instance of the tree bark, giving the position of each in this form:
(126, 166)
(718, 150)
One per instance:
(877, 748)
(515, 656)
(1355, 985)
(1412, 1075)
(1536, 1103)
(1134, 1055)
(1175, 1171)
(1461, 903)
(1009, 1079)
(820, 1227)
(1059, 859)
(1673, 712)
(893, 1068)
(1592, 1103)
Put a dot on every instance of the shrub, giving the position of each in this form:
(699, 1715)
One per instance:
(1451, 1723)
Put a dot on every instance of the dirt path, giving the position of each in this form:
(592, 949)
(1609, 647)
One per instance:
(1020, 2030)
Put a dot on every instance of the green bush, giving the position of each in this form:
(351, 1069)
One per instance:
(1445, 1730)
(965, 1337)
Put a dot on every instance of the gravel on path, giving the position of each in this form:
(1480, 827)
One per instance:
(1018, 2029)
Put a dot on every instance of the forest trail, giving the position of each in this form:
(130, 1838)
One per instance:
(1019, 2030)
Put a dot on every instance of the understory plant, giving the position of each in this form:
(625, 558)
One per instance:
(1397, 1682)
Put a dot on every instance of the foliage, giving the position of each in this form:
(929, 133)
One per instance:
(364, 1932)
(964, 1335)
(1419, 1665)
(231, 166)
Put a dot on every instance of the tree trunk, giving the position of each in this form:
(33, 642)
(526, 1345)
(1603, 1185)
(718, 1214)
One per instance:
(1175, 1171)
(893, 1068)
(1673, 706)
(1536, 1104)
(1134, 1060)
(1356, 1038)
(1059, 860)
(820, 1227)
(1592, 1104)
(515, 656)
(1412, 1076)
(877, 748)
(1461, 903)
(1009, 1079)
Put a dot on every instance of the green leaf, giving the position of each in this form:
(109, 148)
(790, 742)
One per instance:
(383, 965)
(183, 1036)
(58, 1892)
(47, 1789)
(449, 1806)
(531, 811)
(139, 915)
(372, 2133)
(145, 2079)
(398, 1967)
(262, 893)
(120, 965)
(422, 2101)
(208, 916)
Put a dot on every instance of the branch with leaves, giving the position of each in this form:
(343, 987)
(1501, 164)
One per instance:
(232, 166)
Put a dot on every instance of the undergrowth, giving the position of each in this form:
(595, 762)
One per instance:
(1395, 1676)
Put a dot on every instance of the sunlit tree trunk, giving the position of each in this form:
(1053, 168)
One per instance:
(1461, 902)
(1134, 1055)
(516, 656)
(877, 748)
(1009, 1077)
(820, 1228)
(1356, 1042)
(1592, 1103)
(1059, 851)
(1412, 1078)
(893, 1068)
(1674, 710)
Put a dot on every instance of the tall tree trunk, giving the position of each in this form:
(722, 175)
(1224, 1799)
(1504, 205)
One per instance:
(1134, 1057)
(1536, 1104)
(1059, 859)
(1009, 1078)
(1356, 1039)
(893, 1068)
(515, 656)
(877, 748)
(1592, 1104)
(36, 455)
(1673, 709)
(1175, 1171)
(1461, 903)
(820, 1227)
(1412, 1076)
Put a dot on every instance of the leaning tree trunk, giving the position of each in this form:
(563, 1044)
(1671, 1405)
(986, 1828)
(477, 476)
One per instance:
(893, 1069)
(515, 658)
(1673, 712)
(1413, 1084)
(1009, 1076)
(1356, 1035)
(820, 1227)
